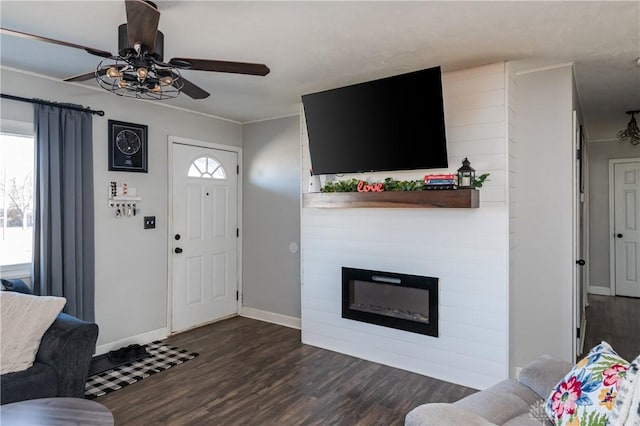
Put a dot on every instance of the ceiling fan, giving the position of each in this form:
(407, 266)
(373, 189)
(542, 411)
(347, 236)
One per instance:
(138, 70)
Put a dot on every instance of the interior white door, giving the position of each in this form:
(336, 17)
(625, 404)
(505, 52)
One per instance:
(627, 228)
(578, 275)
(578, 231)
(204, 235)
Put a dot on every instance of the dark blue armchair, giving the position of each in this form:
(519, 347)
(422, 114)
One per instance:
(62, 362)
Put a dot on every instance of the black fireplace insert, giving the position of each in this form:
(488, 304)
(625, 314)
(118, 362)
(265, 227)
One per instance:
(389, 299)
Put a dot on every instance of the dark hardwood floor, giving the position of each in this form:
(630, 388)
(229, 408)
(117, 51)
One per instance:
(255, 373)
(615, 320)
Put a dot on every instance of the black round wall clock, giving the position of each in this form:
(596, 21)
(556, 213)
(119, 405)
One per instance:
(128, 142)
(127, 147)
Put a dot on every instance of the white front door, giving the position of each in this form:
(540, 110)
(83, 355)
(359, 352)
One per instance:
(204, 235)
(626, 238)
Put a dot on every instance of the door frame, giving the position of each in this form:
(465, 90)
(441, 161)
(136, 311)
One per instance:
(586, 219)
(612, 251)
(171, 141)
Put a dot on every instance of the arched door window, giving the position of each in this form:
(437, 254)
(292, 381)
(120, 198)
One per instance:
(207, 168)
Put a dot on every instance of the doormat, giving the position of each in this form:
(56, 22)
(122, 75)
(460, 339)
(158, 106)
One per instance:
(103, 362)
(161, 357)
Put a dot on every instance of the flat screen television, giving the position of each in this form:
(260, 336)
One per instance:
(394, 123)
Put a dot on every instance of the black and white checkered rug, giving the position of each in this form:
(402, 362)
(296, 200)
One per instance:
(161, 357)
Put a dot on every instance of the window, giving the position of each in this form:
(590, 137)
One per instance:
(16, 204)
(207, 168)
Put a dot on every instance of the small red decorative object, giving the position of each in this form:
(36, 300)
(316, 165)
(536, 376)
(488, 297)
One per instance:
(374, 187)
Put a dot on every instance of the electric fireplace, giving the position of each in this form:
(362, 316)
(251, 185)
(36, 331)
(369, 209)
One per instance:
(401, 301)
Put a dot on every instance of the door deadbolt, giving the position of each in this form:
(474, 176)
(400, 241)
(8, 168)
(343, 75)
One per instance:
(177, 237)
(619, 235)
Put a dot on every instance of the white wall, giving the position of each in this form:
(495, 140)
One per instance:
(467, 249)
(131, 263)
(599, 238)
(271, 220)
(541, 308)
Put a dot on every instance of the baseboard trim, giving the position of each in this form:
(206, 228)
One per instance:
(140, 339)
(602, 291)
(271, 317)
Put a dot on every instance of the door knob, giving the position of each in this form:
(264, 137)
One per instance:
(580, 262)
(619, 235)
(178, 250)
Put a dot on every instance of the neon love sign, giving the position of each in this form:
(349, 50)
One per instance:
(374, 187)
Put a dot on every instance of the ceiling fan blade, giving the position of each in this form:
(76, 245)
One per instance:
(191, 90)
(220, 66)
(185, 86)
(84, 77)
(87, 76)
(142, 23)
(97, 52)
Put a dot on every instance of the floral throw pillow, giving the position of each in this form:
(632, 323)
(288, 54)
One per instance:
(627, 408)
(586, 396)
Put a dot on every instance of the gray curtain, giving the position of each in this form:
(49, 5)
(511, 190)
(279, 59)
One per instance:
(63, 252)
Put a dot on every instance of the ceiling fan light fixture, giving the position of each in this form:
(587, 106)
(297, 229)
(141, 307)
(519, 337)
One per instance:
(139, 70)
(141, 73)
(127, 76)
(113, 72)
(632, 133)
(166, 81)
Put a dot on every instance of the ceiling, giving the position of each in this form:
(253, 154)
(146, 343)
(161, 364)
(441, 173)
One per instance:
(312, 46)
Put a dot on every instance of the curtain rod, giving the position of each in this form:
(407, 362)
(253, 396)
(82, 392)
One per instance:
(41, 102)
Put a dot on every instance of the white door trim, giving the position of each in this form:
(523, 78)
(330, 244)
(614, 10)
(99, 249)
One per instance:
(612, 251)
(586, 219)
(171, 140)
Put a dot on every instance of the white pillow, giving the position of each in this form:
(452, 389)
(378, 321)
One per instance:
(24, 318)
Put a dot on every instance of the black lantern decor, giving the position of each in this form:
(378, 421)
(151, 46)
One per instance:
(466, 175)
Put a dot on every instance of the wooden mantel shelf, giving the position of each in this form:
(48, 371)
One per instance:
(454, 198)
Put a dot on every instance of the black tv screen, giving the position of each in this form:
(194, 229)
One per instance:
(395, 123)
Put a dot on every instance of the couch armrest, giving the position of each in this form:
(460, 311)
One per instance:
(67, 347)
(543, 374)
(443, 414)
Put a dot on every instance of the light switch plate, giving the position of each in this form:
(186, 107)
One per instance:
(149, 222)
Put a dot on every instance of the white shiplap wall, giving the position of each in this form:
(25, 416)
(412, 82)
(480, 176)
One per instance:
(467, 249)
(510, 111)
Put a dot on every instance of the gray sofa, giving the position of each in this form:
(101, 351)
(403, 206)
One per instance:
(62, 362)
(510, 402)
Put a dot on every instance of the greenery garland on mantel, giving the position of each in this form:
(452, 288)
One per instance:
(389, 184)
